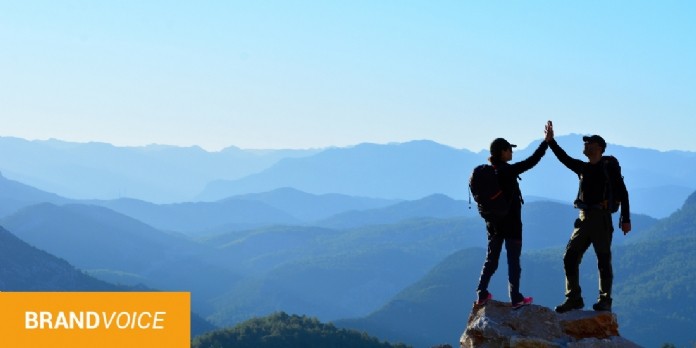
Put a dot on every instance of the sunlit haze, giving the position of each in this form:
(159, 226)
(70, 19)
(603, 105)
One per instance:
(307, 74)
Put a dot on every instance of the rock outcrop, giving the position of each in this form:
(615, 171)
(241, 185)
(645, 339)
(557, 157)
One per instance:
(497, 324)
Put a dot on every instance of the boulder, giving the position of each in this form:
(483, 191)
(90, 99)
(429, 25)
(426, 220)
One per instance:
(497, 324)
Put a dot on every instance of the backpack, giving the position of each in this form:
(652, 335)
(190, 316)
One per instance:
(613, 186)
(484, 186)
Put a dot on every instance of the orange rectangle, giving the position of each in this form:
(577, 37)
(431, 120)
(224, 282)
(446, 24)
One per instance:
(95, 319)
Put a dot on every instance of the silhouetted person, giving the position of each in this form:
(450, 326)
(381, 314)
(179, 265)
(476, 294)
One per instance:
(507, 229)
(601, 186)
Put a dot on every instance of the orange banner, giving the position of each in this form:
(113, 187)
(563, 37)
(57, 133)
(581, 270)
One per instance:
(95, 319)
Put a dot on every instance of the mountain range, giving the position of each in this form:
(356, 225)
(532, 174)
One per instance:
(154, 173)
(26, 268)
(230, 268)
(658, 181)
(336, 256)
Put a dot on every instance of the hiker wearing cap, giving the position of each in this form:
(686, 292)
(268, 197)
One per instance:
(508, 228)
(600, 193)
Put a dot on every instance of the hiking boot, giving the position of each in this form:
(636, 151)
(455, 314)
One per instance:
(570, 305)
(604, 304)
(483, 301)
(525, 301)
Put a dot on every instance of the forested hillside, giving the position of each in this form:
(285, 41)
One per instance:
(281, 330)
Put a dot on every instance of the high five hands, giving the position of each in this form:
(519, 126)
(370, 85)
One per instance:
(548, 131)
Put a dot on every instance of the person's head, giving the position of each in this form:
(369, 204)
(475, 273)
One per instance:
(501, 150)
(594, 145)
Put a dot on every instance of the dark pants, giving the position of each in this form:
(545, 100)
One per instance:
(592, 227)
(508, 231)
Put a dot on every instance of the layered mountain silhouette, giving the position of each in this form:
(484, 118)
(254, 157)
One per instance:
(155, 173)
(420, 168)
(15, 195)
(436, 206)
(286, 206)
(26, 268)
(397, 171)
(341, 255)
(658, 181)
(358, 256)
(200, 218)
(310, 207)
(122, 250)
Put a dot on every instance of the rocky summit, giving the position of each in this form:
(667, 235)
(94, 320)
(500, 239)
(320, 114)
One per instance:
(497, 324)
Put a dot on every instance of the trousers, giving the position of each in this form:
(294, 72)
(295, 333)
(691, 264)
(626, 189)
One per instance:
(508, 232)
(592, 227)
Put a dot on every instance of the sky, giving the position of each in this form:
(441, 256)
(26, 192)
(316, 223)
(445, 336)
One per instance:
(313, 74)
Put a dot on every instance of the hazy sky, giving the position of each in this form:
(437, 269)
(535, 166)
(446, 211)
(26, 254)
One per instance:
(301, 74)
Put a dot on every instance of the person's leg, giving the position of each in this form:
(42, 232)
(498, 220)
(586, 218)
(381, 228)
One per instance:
(575, 249)
(602, 234)
(495, 245)
(577, 245)
(514, 250)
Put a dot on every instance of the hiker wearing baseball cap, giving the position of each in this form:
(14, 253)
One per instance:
(507, 229)
(601, 192)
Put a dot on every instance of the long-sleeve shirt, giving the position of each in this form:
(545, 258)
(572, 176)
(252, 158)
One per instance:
(511, 225)
(593, 180)
(508, 174)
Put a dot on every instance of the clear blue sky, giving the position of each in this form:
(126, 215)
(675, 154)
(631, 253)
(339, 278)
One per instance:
(301, 74)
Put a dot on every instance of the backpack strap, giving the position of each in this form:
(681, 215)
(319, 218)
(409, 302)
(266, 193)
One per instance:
(608, 191)
(578, 203)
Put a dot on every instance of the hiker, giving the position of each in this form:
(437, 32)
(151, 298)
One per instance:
(508, 228)
(601, 188)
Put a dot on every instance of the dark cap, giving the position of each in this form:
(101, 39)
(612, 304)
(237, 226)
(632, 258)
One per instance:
(500, 144)
(595, 139)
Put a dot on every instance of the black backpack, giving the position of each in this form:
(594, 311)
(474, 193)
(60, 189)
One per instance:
(485, 187)
(612, 186)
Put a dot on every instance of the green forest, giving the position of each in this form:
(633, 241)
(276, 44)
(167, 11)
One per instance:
(281, 330)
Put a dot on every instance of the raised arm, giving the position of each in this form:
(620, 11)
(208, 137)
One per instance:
(528, 163)
(573, 164)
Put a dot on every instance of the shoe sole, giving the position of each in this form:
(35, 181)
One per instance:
(568, 310)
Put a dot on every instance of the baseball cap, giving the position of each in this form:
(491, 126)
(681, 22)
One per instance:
(595, 139)
(500, 144)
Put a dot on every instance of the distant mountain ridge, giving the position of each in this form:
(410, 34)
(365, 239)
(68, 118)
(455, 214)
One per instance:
(331, 273)
(281, 206)
(122, 250)
(15, 195)
(417, 169)
(199, 218)
(155, 173)
(26, 268)
(309, 207)
(396, 171)
(658, 181)
(434, 206)
(333, 255)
